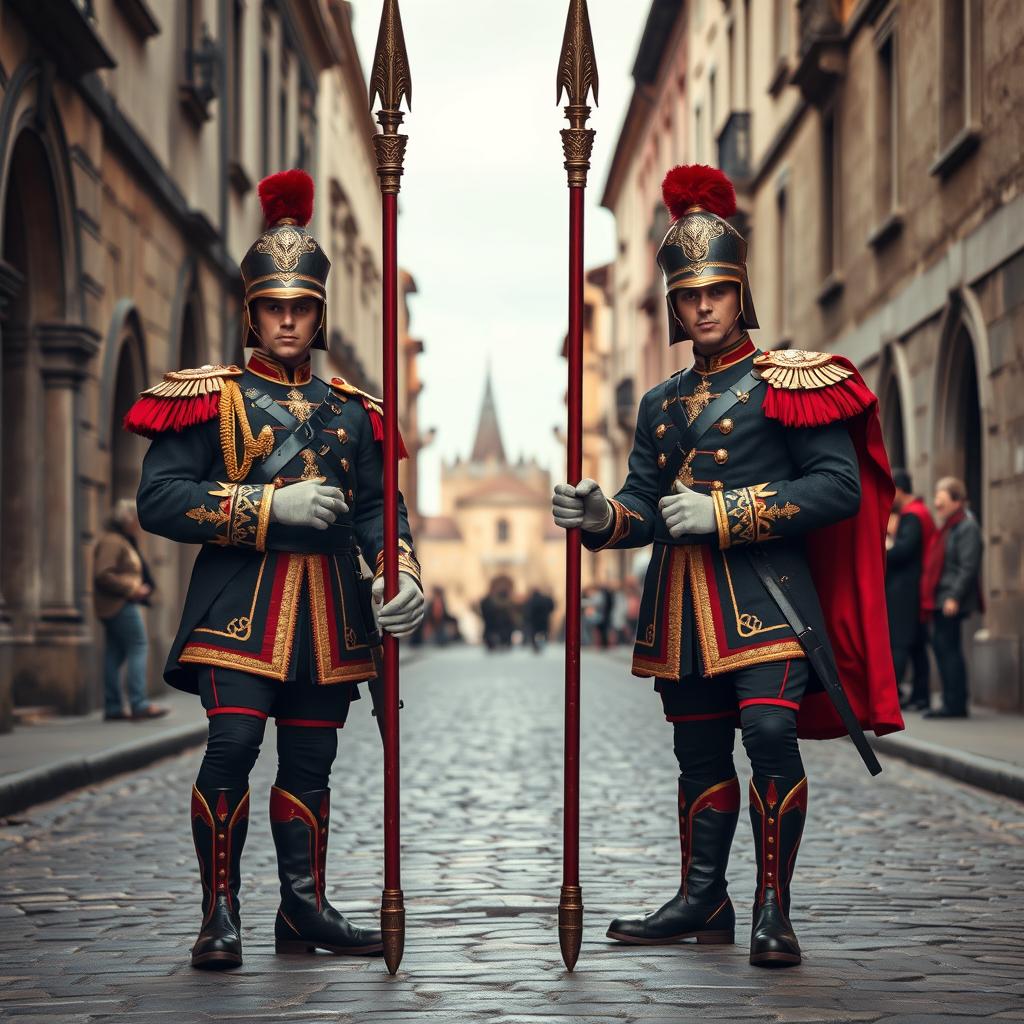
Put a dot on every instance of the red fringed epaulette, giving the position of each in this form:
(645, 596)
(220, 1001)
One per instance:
(811, 389)
(182, 399)
(373, 409)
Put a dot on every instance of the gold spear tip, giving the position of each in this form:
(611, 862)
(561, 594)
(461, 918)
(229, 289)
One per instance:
(390, 78)
(577, 65)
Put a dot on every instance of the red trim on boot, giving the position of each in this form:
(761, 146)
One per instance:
(285, 807)
(723, 797)
(771, 836)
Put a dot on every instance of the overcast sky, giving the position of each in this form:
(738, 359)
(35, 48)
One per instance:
(484, 208)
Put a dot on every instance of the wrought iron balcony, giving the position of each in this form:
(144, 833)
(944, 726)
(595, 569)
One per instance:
(734, 147)
(821, 51)
(66, 29)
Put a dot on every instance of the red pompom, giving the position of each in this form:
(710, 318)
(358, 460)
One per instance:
(698, 185)
(288, 194)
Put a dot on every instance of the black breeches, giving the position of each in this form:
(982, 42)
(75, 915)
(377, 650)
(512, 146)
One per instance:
(704, 748)
(304, 754)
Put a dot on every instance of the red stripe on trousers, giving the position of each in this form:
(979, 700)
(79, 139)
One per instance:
(237, 711)
(310, 723)
(774, 701)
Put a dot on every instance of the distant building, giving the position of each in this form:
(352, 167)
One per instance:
(875, 146)
(131, 138)
(495, 521)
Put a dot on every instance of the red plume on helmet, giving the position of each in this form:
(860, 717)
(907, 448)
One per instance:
(287, 194)
(698, 185)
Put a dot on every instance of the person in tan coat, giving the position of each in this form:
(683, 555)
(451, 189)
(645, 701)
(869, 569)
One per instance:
(119, 586)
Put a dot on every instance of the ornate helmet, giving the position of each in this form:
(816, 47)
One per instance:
(702, 247)
(285, 261)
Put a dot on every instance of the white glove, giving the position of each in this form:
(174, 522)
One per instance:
(581, 506)
(402, 615)
(310, 503)
(687, 512)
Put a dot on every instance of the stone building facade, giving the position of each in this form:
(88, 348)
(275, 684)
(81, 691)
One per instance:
(132, 133)
(876, 147)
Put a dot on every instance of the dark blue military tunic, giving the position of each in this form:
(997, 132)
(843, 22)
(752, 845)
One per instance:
(257, 585)
(704, 610)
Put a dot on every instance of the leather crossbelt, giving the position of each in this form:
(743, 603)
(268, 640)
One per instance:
(301, 436)
(820, 658)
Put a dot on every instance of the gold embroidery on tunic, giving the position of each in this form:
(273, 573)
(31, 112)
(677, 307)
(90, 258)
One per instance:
(311, 470)
(204, 515)
(696, 403)
(298, 406)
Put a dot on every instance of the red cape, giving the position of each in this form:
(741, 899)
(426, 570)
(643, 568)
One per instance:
(847, 561)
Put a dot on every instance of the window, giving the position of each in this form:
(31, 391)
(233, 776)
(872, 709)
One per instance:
(502, 531)
(830, 206)
(887, 128)
(282, 112)
(698, 134)
(712, 100)
(237, 76)
(959, 82)
(782, 267)
(780, 30)
(265, 111)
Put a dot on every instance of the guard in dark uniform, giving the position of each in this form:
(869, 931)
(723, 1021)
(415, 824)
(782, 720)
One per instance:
(278, 475)
(761, 480)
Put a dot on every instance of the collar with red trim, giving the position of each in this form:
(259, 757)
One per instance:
(264, 365)
(723, 360)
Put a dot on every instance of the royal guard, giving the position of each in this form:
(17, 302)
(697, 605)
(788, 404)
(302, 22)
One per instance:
(278, 475)
(762, 481)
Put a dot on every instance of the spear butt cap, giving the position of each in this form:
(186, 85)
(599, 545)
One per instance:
(570, 924)
(577, 65)
(392, 927)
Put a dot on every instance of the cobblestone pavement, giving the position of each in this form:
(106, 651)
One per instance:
(908, 898)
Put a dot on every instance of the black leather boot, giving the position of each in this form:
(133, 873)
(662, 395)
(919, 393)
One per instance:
(778, 807)
(305, 920)
(220, 820)
(701, 909)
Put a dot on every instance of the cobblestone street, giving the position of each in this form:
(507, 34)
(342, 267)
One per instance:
(908, 897)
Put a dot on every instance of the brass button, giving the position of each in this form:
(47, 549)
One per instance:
(771, 839)
(725, 426)
(771, 821)
(783, 579)
(661, 431)
(717, 485)
(771, 856)
(662, 459)
(345, 464)
(350, 495)
(721, 456)
(664, 406)
(342, 435)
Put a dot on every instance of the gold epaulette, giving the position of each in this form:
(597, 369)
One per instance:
(203, 380)
(347, 390)
(795, 370)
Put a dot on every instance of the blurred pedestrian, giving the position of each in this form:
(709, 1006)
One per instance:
(907, 544)
(435, 622)
(121, 583)
(537, 618)
(950, 590)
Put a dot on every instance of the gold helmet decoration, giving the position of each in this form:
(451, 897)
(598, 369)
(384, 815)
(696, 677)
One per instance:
(286, 261)
(702, 247)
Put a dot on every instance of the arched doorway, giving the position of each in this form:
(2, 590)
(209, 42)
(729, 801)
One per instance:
(126, 449)
(959, 449)
(31, 255)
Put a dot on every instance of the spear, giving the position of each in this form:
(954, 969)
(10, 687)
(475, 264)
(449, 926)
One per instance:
(577, 76)
(390, 82)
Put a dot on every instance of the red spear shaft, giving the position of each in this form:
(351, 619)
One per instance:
(390, 81)
(577, 75)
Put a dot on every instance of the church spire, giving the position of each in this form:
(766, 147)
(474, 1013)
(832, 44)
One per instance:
(488, 445)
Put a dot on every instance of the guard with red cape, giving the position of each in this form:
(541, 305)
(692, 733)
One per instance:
(761, 479)
(278, 475)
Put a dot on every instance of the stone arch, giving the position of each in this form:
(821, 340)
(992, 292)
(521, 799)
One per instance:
(962, 399)
(895, 401)
(190, 345)
(124, 376)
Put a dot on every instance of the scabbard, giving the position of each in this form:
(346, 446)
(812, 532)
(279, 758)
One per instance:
(819, 656)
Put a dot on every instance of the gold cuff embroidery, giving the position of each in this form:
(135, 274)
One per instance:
(751, 520)
(621, 515)
(407, 562)
(721, 519)
(263, 520)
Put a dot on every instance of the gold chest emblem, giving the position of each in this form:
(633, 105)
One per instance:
(696, 403)
(298, 406)
(285, 246)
